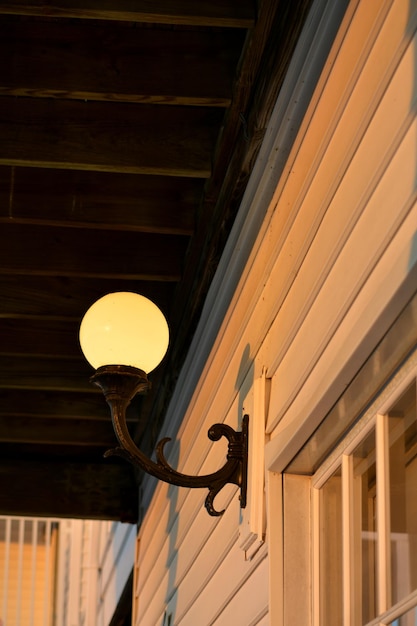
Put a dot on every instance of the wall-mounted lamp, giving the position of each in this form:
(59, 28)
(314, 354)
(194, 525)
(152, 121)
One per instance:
(124, 336)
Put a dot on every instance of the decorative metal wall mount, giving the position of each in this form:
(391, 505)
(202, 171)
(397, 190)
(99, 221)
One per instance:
(120, 384)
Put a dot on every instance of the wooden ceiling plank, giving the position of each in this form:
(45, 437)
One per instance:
(121, 276)
(141, 226)
(218, 13)
(65, 298)
(32, 250)
(123, 219)
(100, 62)
(45, 338)
(83, 490)
(57, 406)
(44, 431)
(53, 404)
(48, 376)
(107, 137)
(45, 374)
(149, 204)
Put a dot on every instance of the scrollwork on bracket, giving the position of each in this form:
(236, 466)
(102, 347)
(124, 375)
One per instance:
(119, 385)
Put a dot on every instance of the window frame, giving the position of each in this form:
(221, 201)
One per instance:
(376, 417)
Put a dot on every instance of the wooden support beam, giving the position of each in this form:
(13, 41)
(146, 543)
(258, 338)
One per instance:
(46, 404)
(101, 61)
(108, 137)
(219, 13)
(68, 298)
(67, 489)
(163, 204)
(46, 431)
(53, 404)
(44, 338)
(66, 252)
(45, 374)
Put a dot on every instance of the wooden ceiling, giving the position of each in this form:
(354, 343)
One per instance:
(128, 130)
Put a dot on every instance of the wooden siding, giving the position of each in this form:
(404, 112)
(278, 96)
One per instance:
(334, 264)
(194, 569)
(94, 563)
(349, 257)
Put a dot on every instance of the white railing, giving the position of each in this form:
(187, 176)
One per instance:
(62, 572)
(28, 555)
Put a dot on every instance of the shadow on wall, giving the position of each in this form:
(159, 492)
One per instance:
(244, 383)
(245, 380)
(172, 532)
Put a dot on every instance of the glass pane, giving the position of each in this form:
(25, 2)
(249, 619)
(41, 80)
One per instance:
(407, 619)
(331, 565)
(364, 531)
(403, 494)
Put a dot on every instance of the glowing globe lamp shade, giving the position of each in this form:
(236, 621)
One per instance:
(124, 328)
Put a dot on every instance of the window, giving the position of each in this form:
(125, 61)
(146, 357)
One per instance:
(365, 522)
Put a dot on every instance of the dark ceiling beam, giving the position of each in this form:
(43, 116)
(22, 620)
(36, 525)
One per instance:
(221, 13)
(45, 374)
(47, 404)
(34, 337)
(67, 489)
(108, 137)
(45, 431)
(55, 251)
(115, 62)
(53, 404)
(164, 205)
(68, 298)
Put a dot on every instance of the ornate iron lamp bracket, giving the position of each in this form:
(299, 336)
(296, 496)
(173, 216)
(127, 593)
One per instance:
(120, 384)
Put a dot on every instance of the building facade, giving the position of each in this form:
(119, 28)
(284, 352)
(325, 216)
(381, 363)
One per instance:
(63, 572)
(310, 328)
(28, 559)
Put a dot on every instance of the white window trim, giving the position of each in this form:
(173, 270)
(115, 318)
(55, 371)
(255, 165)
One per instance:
(380, 406)
(375, 417)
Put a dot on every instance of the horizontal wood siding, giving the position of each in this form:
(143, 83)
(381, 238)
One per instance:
(332, 267)
(197, 579)
(350, 245)
(187, 559)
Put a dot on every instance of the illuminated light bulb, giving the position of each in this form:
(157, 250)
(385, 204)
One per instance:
(124, 328)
